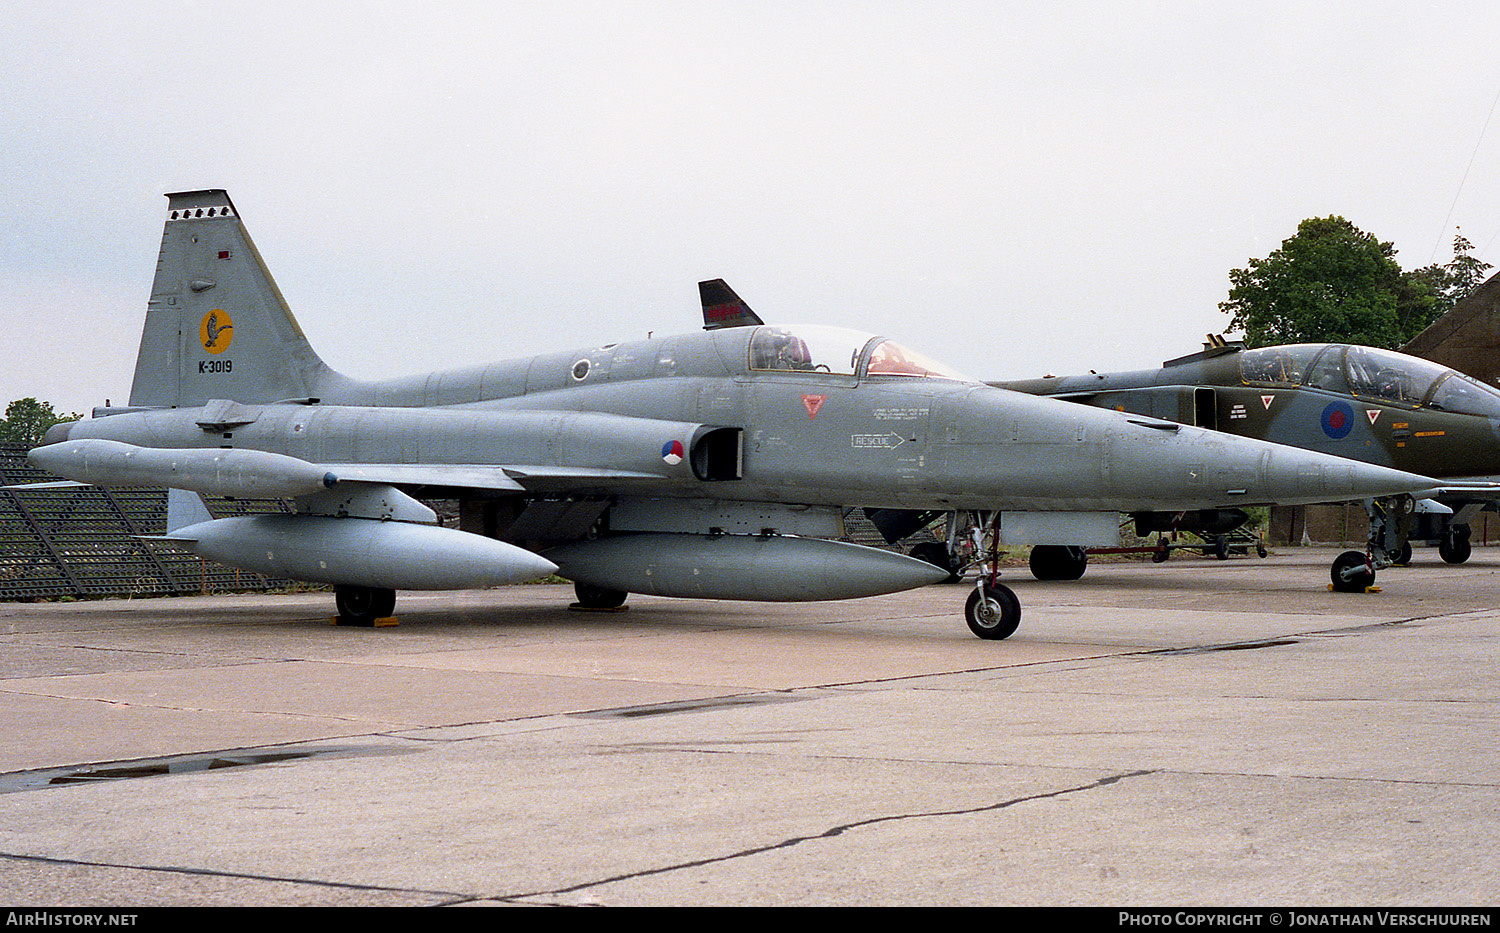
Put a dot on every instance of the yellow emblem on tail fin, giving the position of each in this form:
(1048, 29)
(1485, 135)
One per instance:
(216, 332)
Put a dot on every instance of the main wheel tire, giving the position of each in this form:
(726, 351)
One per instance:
(994, 615)
(1354, 583)
(1058, 562)
(599, 597)
(362, 605)
(1454, 547)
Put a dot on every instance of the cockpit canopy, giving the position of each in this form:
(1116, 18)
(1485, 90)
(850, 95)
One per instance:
(836, 351)
(1381, 375)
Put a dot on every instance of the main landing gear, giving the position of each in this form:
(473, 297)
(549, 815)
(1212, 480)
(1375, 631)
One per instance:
(1058, 562)
(363, 605)
(1454, 546)
(598, 598)
(1392, 521)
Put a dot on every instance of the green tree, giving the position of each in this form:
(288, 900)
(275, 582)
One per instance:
(1422, 298)
(1332, 282)
(27, 419)
(1464, 273)
(1432, 291)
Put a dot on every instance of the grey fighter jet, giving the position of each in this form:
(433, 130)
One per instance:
(1367, 404)
(713, 465)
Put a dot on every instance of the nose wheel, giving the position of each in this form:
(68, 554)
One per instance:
(1352, 572)
(993, 612)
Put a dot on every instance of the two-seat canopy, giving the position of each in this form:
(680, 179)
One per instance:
(1379, 375)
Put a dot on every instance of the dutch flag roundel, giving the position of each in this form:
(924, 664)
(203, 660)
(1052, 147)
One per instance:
(671, 452)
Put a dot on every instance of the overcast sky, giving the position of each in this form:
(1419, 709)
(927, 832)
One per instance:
(1015, 188)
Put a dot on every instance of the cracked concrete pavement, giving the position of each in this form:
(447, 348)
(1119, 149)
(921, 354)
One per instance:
(1198, 732)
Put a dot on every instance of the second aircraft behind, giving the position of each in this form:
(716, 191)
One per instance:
(1367, 404)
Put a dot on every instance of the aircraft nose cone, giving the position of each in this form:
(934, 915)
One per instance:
(1296, 477)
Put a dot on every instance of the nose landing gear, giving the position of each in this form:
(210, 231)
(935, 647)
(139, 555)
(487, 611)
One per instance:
(993, 612)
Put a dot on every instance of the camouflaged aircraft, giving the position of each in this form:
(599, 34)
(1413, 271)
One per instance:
(1375, 406)
(714, 465)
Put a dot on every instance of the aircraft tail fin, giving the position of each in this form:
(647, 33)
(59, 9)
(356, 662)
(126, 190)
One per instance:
(723, 308)
(217, 327)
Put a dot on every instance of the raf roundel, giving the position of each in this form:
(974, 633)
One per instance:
(1338, 420)
(671, 452)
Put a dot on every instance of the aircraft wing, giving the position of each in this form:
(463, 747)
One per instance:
(220, 471)
(1477, 487)
(519, 479)
(562, 478)
(63, 484)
